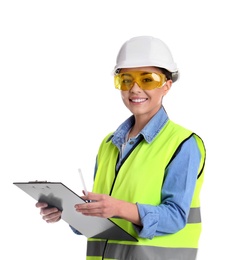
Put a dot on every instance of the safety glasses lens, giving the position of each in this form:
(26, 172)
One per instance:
(146, 80)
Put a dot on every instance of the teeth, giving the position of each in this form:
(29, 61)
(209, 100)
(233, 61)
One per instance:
(138, 100)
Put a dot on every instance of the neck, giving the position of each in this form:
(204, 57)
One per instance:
(135, 130)
(139, 124)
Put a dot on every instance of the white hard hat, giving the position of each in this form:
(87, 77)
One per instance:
(143, 51)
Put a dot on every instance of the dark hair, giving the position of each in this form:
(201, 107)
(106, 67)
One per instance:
(167, 73)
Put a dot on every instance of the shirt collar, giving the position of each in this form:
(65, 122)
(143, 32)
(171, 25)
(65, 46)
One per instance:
(151, 129)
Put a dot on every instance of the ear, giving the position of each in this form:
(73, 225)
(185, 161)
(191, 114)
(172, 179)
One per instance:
(167, 87)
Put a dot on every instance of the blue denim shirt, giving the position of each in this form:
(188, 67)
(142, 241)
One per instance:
(171, 215)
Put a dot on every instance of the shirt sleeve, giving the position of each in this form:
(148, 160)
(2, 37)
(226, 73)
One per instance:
(171, 215)
(75, 230)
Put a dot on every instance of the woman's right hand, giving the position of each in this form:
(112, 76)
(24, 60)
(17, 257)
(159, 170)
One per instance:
(50, 215)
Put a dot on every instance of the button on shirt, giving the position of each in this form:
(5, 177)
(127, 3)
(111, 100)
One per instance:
(171, 215)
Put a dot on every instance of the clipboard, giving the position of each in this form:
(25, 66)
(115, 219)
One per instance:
(56, 194)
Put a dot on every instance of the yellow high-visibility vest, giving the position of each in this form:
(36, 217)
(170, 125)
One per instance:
(140, 179)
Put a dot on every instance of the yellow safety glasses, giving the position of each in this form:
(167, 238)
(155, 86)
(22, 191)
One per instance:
(145, 80)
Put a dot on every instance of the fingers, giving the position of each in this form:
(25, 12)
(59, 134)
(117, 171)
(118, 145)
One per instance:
(94, 196)
(41, 205)
(101, 205)
(51, 218)
(49, 214)
(89, 209)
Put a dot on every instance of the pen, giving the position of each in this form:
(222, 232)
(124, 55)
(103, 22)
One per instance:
(82, 179)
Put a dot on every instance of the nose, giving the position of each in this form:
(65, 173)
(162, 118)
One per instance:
(135, 87)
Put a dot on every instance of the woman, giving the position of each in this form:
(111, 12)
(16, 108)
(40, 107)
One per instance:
(149, 172)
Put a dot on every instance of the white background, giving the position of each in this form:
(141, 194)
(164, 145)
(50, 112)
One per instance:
(57, 101)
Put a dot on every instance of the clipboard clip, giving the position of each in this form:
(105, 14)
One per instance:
(38, 181)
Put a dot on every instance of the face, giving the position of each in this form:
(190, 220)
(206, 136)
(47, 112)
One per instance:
(144, 103)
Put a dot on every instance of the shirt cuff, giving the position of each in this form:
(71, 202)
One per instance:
(149, 220)
(75, 230)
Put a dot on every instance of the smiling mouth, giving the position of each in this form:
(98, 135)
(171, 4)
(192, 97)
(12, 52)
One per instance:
(138, 100)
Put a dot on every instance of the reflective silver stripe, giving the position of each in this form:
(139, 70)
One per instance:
(194, 215)
(95, 248)
(140, 252)
(132, 252)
